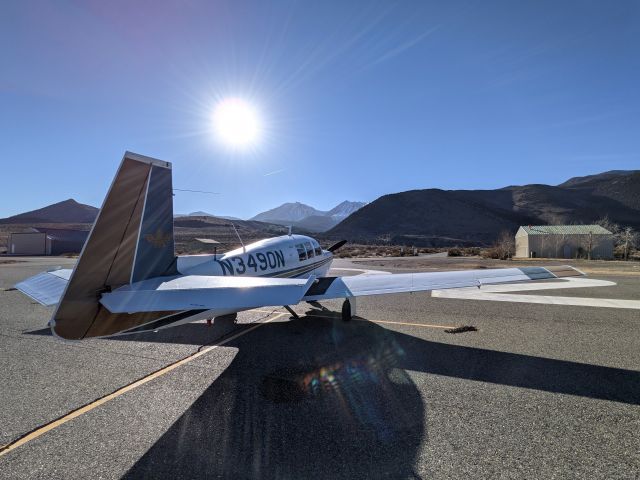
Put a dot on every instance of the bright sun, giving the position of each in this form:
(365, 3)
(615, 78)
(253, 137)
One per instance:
(236, 123)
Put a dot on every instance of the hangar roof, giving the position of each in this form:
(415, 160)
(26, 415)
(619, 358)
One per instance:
(565, 230)
(64, 233)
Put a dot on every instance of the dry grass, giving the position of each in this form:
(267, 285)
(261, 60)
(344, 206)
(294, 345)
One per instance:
(373, 251)
(590, 267)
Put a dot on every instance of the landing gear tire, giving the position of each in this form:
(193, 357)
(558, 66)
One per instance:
(346, 310)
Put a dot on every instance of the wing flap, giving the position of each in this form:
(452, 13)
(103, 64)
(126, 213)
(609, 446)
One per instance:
(191, 292)
(362, 285)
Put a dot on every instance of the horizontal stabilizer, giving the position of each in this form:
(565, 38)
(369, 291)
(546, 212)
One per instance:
(192, 292)
(46, 288)
(362, 285)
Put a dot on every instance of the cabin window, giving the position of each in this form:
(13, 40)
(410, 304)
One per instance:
(316, 247)
(309, 250)
(302, 253)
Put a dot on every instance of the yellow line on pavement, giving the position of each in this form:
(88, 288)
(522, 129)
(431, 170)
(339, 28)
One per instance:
(428, 325)
(127, 388)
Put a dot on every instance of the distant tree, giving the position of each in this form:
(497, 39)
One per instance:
(543, 245)
(589, 243)
(629, 239)
(607, 223)
(559, 241)
(505, 245)
(625, 238)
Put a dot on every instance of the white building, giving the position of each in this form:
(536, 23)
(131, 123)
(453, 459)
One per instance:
(564, 241)
(47, 241)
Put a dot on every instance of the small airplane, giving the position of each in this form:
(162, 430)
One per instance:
(129, 280)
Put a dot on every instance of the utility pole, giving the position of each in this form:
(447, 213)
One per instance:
(590, 245)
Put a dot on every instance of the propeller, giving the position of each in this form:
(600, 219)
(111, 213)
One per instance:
(336, 246)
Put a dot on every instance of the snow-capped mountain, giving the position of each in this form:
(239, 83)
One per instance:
(287, 212)
(307, 217)
(344, 209)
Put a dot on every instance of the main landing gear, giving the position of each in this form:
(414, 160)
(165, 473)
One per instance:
(232, 317)
(347, 313)
(348, 308)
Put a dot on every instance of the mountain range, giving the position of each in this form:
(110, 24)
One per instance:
(430, 217)
(308, 218)
(200, 213)
(436, 217)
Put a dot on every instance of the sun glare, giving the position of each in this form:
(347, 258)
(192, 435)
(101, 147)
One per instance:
(236, 123)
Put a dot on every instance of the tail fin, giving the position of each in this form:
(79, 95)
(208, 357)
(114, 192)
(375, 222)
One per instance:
(131, 240)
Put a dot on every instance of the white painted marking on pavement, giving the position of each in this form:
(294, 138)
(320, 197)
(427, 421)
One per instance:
(495, 293)
(363, 270)
(569, 282)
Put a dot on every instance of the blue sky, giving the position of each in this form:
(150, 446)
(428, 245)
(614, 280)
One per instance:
(358, 99)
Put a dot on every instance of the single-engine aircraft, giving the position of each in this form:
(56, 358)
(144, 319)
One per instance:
(128, 278)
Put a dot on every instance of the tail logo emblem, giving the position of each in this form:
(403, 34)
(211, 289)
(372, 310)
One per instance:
(159, 239)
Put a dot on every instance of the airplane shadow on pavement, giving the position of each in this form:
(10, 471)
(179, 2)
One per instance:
(308, 398)
(321, 398)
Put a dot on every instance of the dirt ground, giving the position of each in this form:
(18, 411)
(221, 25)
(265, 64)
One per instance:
(427, 263)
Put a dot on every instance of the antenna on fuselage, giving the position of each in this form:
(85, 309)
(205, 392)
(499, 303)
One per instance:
(244, 249)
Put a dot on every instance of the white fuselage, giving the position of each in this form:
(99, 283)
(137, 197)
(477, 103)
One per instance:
(288, 256)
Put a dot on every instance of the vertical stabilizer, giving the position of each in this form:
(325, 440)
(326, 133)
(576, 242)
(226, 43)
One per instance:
(131, 240)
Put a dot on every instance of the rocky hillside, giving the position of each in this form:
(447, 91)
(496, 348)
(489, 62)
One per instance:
(619, 185)
(476, 217)
(188, 229)
(68, 211)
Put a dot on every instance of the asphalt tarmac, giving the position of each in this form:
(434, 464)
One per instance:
(538, 391)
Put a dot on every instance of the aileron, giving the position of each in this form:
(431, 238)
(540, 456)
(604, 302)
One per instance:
(363, 285)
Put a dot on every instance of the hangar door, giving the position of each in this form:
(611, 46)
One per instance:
(29, 244)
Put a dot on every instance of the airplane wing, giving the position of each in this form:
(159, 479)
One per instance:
(192, 291)
(362, 285)
(160, 301)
